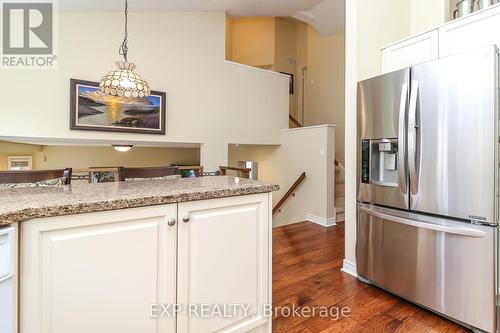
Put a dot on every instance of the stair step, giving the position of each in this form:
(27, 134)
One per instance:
(339, 181)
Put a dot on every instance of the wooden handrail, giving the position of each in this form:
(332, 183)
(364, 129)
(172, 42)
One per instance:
(294, 121)
(289, 192)
(245, 172)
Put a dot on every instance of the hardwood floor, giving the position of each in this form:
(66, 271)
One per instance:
(306, 273)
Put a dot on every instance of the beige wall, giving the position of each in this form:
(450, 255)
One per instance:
(426, 15)
(229, 38)
(182, 54)
(252, 40)
(54, 157)
(325, 79)
(81, 157)
(15, 149)
(302, 62)
(300, 43)
(286, 50)
(300, 151)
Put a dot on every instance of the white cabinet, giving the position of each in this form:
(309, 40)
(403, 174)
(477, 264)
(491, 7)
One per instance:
(471, 32)
(103, 272)
(474, 31)
(8, 279)
(224, 258)
(415, 50)
(98, 272)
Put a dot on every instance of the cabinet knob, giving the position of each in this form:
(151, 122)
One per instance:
(185, 219)
(171, 222)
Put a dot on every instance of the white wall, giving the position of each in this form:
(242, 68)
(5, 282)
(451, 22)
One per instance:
(351, 79)
(426, 15)
(370, 25)
(299, 152)
(379, 23)
(210, 101)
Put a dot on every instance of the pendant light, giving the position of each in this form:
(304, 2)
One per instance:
(123, 81)
(122, 148)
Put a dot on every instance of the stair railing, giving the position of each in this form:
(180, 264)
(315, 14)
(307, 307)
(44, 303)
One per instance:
(289, 192)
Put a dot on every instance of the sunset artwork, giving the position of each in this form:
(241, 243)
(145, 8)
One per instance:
(94, 110)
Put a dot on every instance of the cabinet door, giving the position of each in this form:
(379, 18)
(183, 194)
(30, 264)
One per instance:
(471, 32)
(412, 51)
(224, 259)
(98, 272)
(8, 279)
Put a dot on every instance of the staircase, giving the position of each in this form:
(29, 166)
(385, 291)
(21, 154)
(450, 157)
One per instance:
(339, 192)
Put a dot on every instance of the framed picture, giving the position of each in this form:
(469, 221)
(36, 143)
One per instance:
(95, 111)
(290, 83)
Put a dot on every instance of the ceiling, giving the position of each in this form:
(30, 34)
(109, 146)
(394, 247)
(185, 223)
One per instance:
(327, 16)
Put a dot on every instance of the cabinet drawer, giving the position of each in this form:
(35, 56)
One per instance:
(431, 261)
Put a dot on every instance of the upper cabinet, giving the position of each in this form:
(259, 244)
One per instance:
(473, 31)
(421, 48)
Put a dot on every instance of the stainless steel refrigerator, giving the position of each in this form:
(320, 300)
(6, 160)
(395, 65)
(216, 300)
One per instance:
(428, 195)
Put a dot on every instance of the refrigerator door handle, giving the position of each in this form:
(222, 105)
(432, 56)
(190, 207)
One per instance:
(412, 137)
(403, 179)
(468, 232)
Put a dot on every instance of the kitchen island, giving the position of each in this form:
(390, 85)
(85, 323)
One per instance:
(180, 255)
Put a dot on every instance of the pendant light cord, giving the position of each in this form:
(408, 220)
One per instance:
(123, 50)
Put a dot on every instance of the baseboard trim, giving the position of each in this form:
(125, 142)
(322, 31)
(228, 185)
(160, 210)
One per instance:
(349, 267)
(329, 222)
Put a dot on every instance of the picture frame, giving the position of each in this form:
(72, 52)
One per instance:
(291, 87)
(92, 110)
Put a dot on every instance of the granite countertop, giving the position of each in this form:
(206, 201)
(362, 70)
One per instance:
(17, 205)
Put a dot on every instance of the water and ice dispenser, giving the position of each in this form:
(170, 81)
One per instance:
(379, 162)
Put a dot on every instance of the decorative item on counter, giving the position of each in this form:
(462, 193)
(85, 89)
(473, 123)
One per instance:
(94, 110)
(123, 82)
(483, 4)
(464, 7)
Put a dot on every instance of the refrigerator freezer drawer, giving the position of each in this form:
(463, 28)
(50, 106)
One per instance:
(444, 265)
